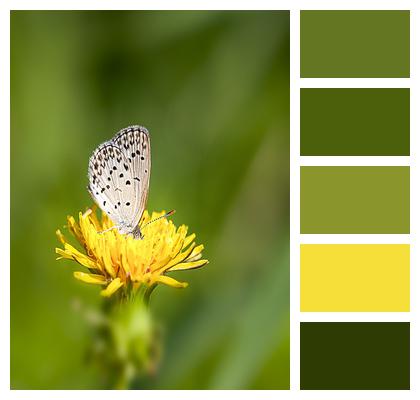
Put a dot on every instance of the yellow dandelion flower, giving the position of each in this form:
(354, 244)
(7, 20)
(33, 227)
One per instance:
(114, 260)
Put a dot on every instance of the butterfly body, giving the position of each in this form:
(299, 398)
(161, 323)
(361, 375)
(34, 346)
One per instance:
(119, 174)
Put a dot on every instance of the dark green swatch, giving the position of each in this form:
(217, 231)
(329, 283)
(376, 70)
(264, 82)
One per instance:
(355, 122)
(355, 355)
(355, 44)
(355, 200)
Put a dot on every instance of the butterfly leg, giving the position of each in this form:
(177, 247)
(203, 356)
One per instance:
(109, 229)
(137, 233)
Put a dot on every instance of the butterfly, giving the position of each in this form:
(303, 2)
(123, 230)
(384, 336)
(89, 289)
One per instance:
(119, 174)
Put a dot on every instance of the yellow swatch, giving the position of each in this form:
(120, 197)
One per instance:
(355, 277)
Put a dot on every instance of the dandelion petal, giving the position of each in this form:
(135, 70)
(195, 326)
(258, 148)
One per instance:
(112, 287)
(90, 278)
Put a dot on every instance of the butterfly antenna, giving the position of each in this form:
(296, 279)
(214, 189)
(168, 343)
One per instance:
(168, 214)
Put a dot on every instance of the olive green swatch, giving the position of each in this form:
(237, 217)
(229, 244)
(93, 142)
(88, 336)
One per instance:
(355, 200)
(355, 122)
(355, 355)
(355, 44)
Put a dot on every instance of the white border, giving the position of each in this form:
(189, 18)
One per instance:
(414, 199)
(296, 160)
(354, 161)
(354, 239)
(5, 202)
(293, 5)
(354, 82)
(355, 317)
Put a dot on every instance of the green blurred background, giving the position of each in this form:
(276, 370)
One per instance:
(213, 90)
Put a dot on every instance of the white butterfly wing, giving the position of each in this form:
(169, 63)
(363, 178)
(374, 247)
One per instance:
(119, 174)
(104, 182)
(134, 143)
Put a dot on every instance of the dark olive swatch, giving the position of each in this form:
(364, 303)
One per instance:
(355, 355)
(355, 122)
(355, 200)
(355, 44)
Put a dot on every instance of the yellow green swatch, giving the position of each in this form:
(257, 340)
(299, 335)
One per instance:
(355, 122)
(355, 44)
(355, 200)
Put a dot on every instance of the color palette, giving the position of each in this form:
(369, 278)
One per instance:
(355, 277)
(355, 200)
(355, 122)
(355, 44)
(359, 273)
(355, 355)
